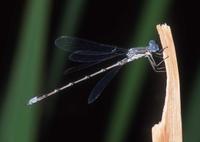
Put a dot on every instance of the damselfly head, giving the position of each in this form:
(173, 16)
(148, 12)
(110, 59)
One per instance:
(153, 46)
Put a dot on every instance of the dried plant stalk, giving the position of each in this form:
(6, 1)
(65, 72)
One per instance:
(170, 127)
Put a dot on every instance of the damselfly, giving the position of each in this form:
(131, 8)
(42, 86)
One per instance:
(90, 53)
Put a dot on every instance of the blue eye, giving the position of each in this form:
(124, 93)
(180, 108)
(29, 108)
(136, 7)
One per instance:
(152, 47)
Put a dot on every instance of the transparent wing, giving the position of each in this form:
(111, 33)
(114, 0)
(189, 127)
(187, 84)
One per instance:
(85, 51)
(89, 47)
(88, 64)
(101, 85)
(87, 58)
(80, 67)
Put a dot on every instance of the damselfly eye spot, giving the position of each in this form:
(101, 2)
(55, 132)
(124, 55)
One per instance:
(153, 46)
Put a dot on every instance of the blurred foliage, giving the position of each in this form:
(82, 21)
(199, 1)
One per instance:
(192, 116)
(18, 123)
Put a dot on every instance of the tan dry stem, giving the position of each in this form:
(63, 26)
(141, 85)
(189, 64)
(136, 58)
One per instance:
(170, 127)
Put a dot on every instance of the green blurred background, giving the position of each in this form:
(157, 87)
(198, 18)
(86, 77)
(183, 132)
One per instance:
(133, 101)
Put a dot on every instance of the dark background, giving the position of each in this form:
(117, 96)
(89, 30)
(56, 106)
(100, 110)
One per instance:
(69, 117)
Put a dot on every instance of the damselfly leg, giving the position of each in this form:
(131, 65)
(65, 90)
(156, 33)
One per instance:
(155, 65)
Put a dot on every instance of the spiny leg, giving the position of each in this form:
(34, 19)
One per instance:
(155, 66)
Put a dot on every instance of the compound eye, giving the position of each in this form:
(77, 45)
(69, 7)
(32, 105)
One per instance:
(153, 47)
